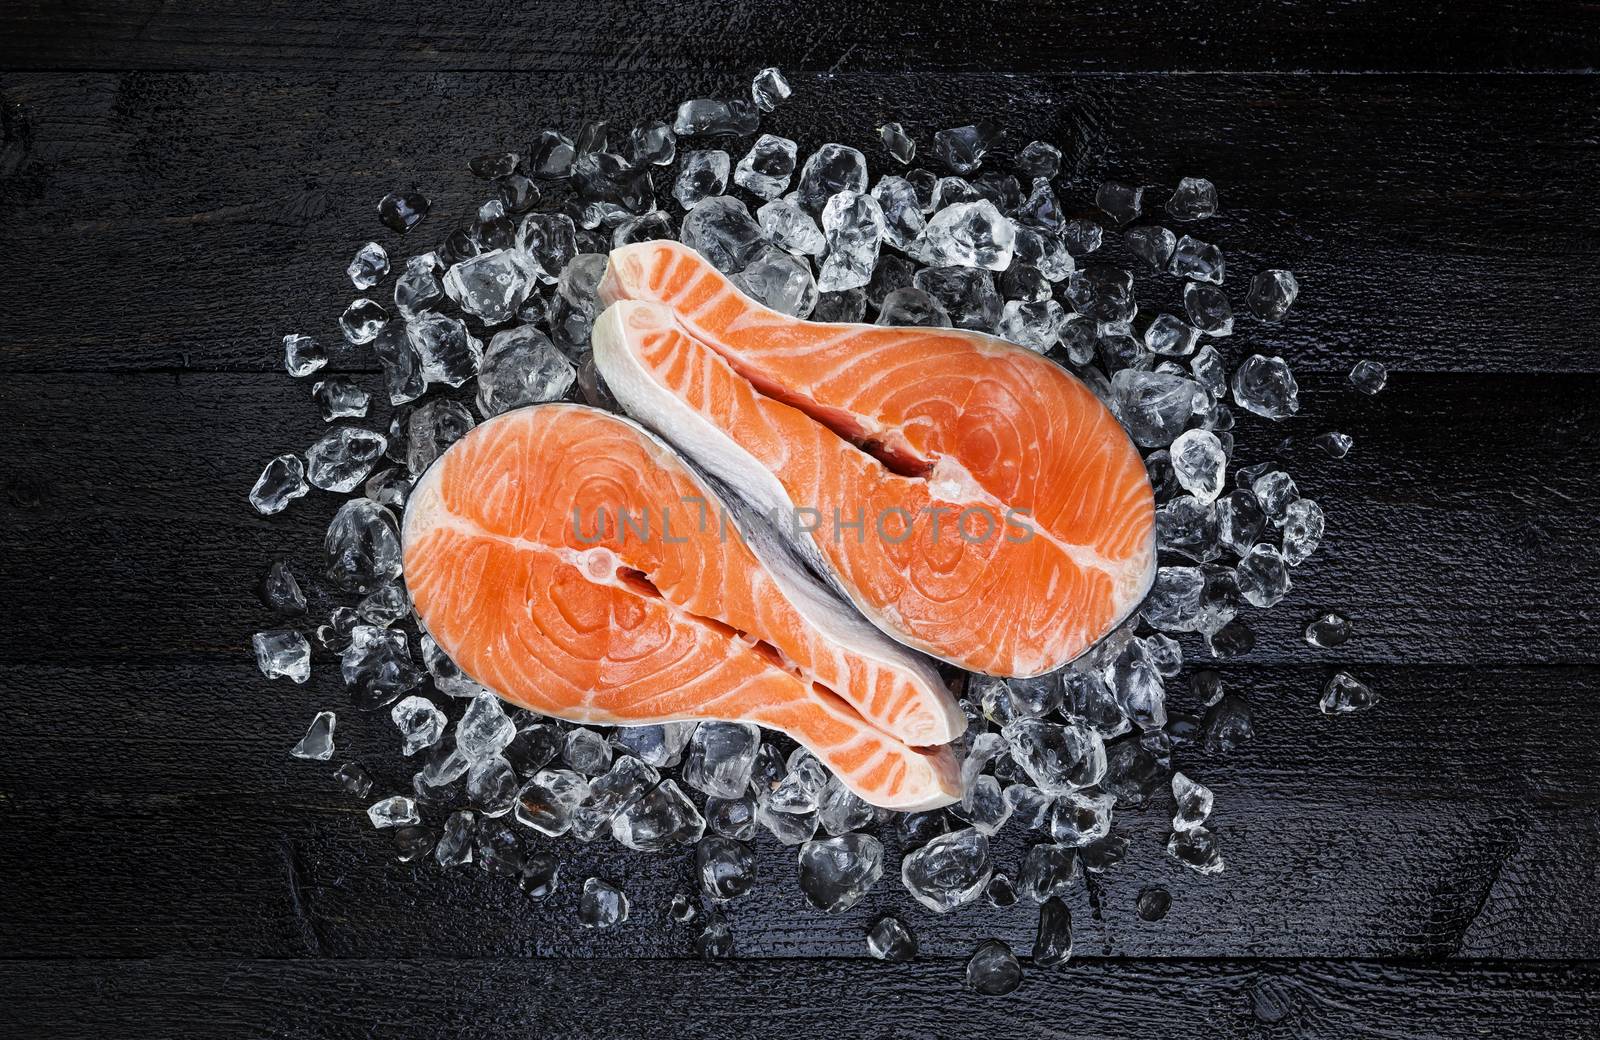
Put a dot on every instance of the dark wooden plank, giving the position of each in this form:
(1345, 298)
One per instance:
(625, 1000)
(125, 497)
(219, 211)
(966, 35)
(1457, 820)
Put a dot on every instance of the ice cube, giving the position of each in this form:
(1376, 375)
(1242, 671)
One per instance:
(1079, 817)
(660, 819)
(602, 905)
(396, 811)
(767, 168)
(1344, 694)
(949, 871)
(840, 811)
(1194, 199)
(492, 786)
(1090, 701)
(715, 939)
(1191, 803)
(781, 282)
(836, 872)
(280, 591)
(701, 175)
(1199, 463)
(984, 806)
(282, 481)
(1274, 490)
(1337, 445)
(550, 241)
(1023, 281)
(726, 868)
(431, 429)
(384, 606)
(339, 398)
(282, 653)
(891, 939)
(1328, 630)
(522, 367)
(768, 88)
(341, 459)
(657, 745)
(902, 215)
(317, 744)
(1052, 944)
(901, 148)
(653, 143)
(1170, 336)
(1042, 210)
(721, 229)
(790, 228)
(489, 286)
(402, 368)
(1368, 376)
(912, 306)
(784, 819)
(1082, 236)
(1263, 576)
(371, 263)
(586, 751)
(732, 817)
(1102, 292)
(455, 844)
(1155, 407)
(1197, 850)
(850, 305)
(447, 676)
(1231, 639)
(716, 116)
(1058, 757)
(377, 666)
(720, 757)
(1030, 806)
(962, 148)
(402, 210)
(853, 226)
(1202, 261)
(1266, 387)
(1271, 294)
(419, 722)
(624, 783)
(1302, 530)
(448, 353)
(993, 970)
(551, 155)
(1121, 202)
(967, 234)
(1153, 245)
(548, 801)
(484, 729)
(362, 320)
(353, 779)
(518, 193)
(828, 171)
(1208, 308)
(968, 296)
(1033, 325)
(1048, 871)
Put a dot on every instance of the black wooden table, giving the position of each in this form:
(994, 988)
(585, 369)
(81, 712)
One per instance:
(181, 186)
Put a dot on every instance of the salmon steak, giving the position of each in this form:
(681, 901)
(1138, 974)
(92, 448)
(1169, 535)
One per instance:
(968, 496)
(574, 564)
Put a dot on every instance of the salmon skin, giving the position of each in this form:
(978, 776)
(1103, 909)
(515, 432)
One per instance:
(571, 562)
(968, 496)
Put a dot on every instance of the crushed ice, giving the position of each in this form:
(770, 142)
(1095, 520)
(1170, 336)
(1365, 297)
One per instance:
(980, 237)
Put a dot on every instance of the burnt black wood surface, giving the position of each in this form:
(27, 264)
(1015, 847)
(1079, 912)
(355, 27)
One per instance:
(181, 184)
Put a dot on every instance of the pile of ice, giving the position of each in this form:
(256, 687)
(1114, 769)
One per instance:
(496, 314)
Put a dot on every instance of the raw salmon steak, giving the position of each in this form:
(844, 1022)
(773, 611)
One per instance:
(574, 564)
(970, 497)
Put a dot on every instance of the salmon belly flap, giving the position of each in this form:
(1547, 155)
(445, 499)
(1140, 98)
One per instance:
(972, 499)
(572, 563)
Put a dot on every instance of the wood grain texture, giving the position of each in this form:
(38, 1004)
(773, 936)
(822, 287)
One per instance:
(1443, 546)
(622, 1000)
(219, 210)
(960, 36)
